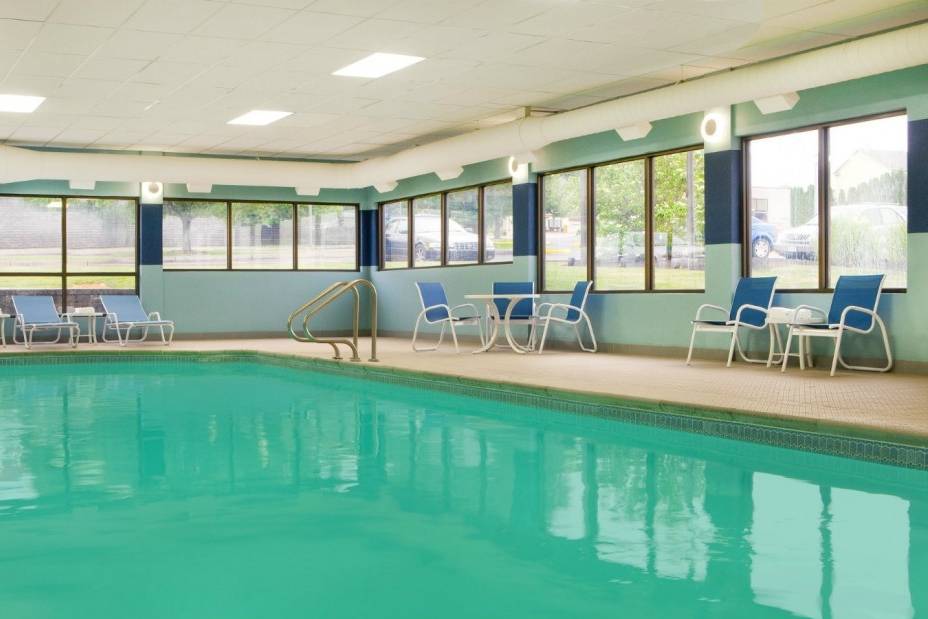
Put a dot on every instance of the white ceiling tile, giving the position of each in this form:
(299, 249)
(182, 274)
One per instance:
(7, 60)
(375, 35)
(281, 4)
(78, 137)
(17, 34)
(15, 84)
(243, 21)
(168, 72)
(94, 12)
(502, 46)
(620, 60)
(201, 49)
(68, 39)
(50, 65)
(99, 123)
(362, 8)
(425, 11)
(110, 68)
(120, 139)
(33, 134)
(500, 14)
(138, 44)
(739, 10)
(33, 10)
(564, 20)
(313, 27)
(77, 88)
(178, 16)
(563, 53)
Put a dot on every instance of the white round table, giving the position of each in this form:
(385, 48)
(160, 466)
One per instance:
(490, 301)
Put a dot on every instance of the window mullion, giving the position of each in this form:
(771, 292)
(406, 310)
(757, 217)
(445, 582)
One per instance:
(823, 208)
(295, 237)
(590, 228)
(648, 225)
(228, 235)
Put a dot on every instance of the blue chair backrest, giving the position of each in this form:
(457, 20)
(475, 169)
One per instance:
(433, 293)
(860, 290)
(36, 309)
(524, 308)
(578, 299)
(127, 307)
(753, 291)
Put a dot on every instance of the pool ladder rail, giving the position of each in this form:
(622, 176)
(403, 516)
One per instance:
(324, 298)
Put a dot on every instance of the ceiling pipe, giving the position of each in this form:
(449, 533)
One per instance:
(897, 49)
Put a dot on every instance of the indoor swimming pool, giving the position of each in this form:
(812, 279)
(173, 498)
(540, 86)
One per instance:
(184, 488)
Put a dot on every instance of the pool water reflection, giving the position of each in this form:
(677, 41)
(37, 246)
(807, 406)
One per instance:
(245, 490)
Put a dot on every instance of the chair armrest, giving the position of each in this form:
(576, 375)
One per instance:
(472, 307)
(558, 306)
(709, 306)
(811, 308)
(747, 306)
(154, 315)
(862, 310)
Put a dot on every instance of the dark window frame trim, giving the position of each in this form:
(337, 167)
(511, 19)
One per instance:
(64, 274)
(647, 158)
(822, 210)
(410, 227)
(294, 268)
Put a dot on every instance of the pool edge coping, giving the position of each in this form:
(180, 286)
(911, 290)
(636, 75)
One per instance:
(831, 438)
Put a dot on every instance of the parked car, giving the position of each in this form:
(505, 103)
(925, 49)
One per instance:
(801, 242)
(763, 235)
(462, 244)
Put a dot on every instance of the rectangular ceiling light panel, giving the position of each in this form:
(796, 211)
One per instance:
(20, 104)
(378, 65)
(259, 118)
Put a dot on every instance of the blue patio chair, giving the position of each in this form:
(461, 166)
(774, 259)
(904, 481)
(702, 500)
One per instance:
(523, 312)
(124, 312)
(854, 310)
(38, 313)
(435, 310)
(749, 307)
(575, 314)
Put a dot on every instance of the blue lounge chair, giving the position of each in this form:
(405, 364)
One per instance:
(38, 313)
(853, 309)
(124, 312)
(749, 308)
(575, 314)
(435, 310)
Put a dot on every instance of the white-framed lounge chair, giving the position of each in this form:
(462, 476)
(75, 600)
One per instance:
(853, 310)
(574, 316)
(435, 310)
(749, 308)
(38, 313)
(124, 312)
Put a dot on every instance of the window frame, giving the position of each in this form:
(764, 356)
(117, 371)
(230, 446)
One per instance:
(822, 212)
(295, 209)
(648, 159)
(410, 236)
(63, 274)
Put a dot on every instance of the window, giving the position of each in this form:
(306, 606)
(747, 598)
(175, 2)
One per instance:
(850, 175)
(74, 249)
(678, 220)
(619, 211)
(328, 236)
(427, 244)
(461, 227)
(195, 235)
(630, 225)
(262, 235)
(395, 235)
(497, 223)
(221, 235)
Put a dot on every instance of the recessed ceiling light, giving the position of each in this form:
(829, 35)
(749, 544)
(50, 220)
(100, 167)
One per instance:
(378, 65)
(259, 117)
(20, 104)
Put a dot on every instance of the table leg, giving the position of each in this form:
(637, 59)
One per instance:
(3, 332)
(491, 337)
(507, 327)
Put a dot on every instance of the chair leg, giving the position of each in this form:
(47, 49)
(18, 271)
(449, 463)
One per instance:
(886, 348)
(834, 359)
(786, 349)
(454, 336)
(689, 355)
(770, 328)
(415, 335)
(589, 325)
(731, 346)
(544, 337)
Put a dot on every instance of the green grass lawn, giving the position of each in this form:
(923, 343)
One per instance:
(560, 276)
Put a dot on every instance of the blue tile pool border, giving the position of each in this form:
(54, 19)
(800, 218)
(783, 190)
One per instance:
(727, 424)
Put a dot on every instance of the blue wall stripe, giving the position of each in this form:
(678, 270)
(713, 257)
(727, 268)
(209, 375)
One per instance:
(917, 188)
(723, 197)
(150, 234)
(525, 219)
(369, 245)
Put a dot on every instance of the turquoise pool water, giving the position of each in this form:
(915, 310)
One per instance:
(248, 490)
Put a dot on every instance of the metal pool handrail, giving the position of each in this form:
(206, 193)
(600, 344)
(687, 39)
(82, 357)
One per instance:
(324, 298)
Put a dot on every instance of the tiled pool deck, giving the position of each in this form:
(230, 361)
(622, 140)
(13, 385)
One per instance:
(881, 407)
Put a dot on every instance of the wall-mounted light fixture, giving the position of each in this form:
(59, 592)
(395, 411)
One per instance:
(447, 175)
(199, 187)
(82, 185)
(634, 132)
(386, 186)
(777, 103)
(152, 192)
(307, 190)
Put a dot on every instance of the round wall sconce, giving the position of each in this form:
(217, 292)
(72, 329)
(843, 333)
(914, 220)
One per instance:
(711, 127)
